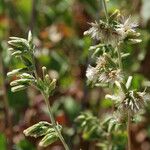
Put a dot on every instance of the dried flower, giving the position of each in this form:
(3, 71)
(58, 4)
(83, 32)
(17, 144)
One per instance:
(111, 76)
(101, 62)
(134, 101)
(92, 74)
(104, 32)
(126, 27)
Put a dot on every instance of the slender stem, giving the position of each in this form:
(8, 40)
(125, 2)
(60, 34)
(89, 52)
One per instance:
(54, 123)
(119, 58)
(128, 130)
(105, 9)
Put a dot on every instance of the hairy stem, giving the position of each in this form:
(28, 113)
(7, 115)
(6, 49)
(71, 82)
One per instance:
(129, 116)
(55, 124)
(119, 58)
(105, 9)
(128, 130)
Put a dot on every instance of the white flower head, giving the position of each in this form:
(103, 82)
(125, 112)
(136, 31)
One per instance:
(104, 32)
(101, 62)
(92, 73)
(134, 101)
(111, 77)
(93, 31)
(126, 26)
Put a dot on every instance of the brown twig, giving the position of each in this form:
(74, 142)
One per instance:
(8, 120)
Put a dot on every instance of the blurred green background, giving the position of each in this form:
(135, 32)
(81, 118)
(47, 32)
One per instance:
(57, 27)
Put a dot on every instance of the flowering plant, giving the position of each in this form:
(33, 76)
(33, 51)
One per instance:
(107, 71)
(27, 76)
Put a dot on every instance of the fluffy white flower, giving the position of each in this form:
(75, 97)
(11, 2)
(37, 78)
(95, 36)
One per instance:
(111, 77)
(104, 32)
(125, 27)
(101, 62)
(92, 73)
(134, 101)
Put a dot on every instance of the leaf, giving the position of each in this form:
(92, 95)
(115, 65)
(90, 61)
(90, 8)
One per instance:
(38, 129)
(29, 37)
(20, 81)
(48, 139)
(19, 42)
(17, 71)
(26, 61)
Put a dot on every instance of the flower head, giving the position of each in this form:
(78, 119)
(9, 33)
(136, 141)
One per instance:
(92, 74)
(111, 76)
(134, 101)
(126, 27)
(101, 62)
(104, 32)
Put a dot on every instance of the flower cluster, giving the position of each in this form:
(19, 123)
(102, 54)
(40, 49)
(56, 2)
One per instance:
(114, 32)
(132, 101)
(108, 66)
(104, 72)
(24, 49)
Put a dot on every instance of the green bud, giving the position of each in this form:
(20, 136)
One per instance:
(115, 14)
(10, 49)
(26, 75)
(16, 53)
(125, 55)
(47, 78)
(128, 84)
(18, 88)
(16, 71)
(44, 71)
(134, 41)
(19, 42)
(38, 129)
(48, 139)
(53, 85)
(13, 72)
(20, 81)
(81, 117)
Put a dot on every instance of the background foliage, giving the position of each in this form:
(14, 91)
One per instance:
(58, 27)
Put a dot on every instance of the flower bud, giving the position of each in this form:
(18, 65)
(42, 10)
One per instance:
(44, 70)
(53, 84)
(16, 53)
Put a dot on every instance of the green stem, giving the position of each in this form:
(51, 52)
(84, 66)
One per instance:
(128, 131)
(105, 9)
(54, 123)
(119, 58)
(129, 116)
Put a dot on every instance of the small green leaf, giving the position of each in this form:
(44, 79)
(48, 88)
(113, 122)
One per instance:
(17, 71)
(20, 81)
(48, 139)
(29, 36)
(38, 129)
(18, 88)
